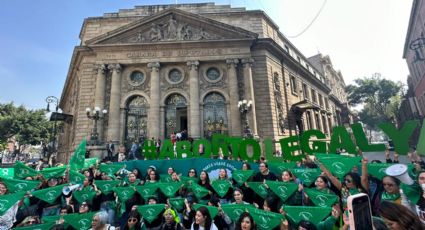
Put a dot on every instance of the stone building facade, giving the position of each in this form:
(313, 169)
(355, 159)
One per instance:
(166, 68)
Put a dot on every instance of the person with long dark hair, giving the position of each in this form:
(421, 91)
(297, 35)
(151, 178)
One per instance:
(245, 222)
(398, 217)
(203, 220)
(133, 221)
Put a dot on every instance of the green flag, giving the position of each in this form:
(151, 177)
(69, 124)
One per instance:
(76, 177)
(377, 169)
(266, 220)
(259, 188)
(278, 168)
(79, 221)
(88, 162)
(307, 175)
(77, 159)
(124, 193)
(283, 190)
(49, 194)
(312, 214)
(147, 190)
(110, 169)
(85, 194)
(7, 172)
(320, 198)
(106, 186)
(7, 201)
(170, 189)
(22, 171)
(221, 187)
(241, 176)
(211, 209)
(199, 191)
(54, 172)
(413, 192)
(165, 178)
(189, 180)
(340, 166)
(151, 211)
(46, 226)
(177, 203)
(14, 185)
(234, 211)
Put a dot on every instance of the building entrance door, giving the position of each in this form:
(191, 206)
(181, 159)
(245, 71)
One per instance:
(175, 114)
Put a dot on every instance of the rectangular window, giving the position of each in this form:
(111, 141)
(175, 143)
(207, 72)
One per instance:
(318, 122)
(309, 121)
(313, 96)
(326, 103)
(305, 91)
(330, 124)
(294, 87)
(320, 100)
(325, 127)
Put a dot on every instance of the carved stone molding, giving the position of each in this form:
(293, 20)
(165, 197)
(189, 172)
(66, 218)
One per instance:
(279, 103)
(115, 67)
(247, 62)
(232, 62)
(154, 66)
(193, 65)
(100, 68)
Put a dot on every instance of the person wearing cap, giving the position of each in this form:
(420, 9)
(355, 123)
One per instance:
(172, 221)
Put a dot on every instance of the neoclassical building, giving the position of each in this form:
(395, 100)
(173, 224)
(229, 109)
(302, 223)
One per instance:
(166, 68)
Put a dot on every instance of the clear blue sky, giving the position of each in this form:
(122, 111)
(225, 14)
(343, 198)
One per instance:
(362, 37)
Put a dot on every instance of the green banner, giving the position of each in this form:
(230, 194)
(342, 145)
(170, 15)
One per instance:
(49, 194)
(221, 187)
(320, 198)
(307, 175)
(7, 201)
(283, 190)
(259, 188)
(241, 176)
(79, 221)
(14, 185)
(106, 186)
(312, 214)
(150, 212)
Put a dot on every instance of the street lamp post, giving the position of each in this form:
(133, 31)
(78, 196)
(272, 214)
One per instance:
(55, 101)
(244, 108)
(95, 115)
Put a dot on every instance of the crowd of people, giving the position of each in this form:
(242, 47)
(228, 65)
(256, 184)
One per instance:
(129, 199)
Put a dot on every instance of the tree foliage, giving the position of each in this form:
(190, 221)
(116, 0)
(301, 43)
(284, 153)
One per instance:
(27, 126)
(380, 99)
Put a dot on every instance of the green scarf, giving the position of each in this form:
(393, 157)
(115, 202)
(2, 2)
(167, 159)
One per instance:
(390, 197)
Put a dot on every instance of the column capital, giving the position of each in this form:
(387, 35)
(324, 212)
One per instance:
(193, 65)
(100, 68)
(154, 66)
(232, 62)
(115, 67)
(247, 62)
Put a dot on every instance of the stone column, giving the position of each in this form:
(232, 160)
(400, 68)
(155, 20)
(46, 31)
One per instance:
(235, 116)
(114, 104)
(154, 115)
(249, 93)
(99, 97)
(194, 115)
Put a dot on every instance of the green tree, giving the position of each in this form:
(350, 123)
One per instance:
(380, 99)
(27, 126)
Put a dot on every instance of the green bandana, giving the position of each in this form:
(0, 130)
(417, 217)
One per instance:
(234, 211)
(325, 156)
(110, 169)
(177, 203)
(165, 178)
(266, 220)
(320, 198)
(377, 169)
(54, 172)
(221, 187)
(389, 197)
(283, 190)
(79, 221)
(14, 185)
(312, 214)
(7, 172)
(307, 175)
(7, 201)
(151, 211)
(106, 186)
(53, 219)
(413, 192)
(77, 159)
(259, 188)
(170, 189)
(340, 166)
(22, 171)
(147, 190)
(189, 180)
(241, 176)
(88, 162)
(76, 177)
(49, 194)
(211, 209)
(46, 226)
(124, 193)
(86, 194)
(278, 168)
(199, 191)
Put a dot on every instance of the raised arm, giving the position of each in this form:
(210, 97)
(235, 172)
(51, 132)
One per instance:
(335, 181)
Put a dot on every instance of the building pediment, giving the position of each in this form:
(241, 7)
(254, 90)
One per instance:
(172, 25)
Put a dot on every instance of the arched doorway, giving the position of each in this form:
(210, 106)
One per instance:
(136, 120)
(175, 114)
(215, 114)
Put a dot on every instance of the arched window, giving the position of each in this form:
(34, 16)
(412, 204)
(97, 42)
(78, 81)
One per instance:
(215, 114)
